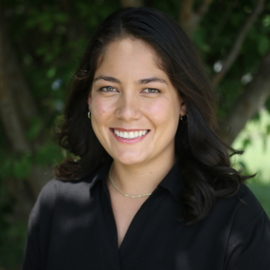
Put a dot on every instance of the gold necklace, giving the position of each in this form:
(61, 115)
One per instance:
(126, 195)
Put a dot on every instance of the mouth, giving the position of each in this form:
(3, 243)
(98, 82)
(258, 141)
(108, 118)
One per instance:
(130, 135)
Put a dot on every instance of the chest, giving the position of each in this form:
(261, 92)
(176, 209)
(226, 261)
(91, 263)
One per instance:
(124, 211)
(149, 233)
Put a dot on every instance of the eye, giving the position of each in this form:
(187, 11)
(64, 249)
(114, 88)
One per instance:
(107, 89)
(151, 90)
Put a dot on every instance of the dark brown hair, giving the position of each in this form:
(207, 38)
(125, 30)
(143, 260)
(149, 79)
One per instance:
(205, 163)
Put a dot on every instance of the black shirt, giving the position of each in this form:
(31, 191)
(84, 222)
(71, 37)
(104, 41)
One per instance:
(72, 227)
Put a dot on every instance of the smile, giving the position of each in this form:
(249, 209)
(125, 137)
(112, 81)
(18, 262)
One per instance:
(130, 135)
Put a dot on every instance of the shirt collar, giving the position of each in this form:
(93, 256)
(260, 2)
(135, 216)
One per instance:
(101, 173)
(173, 181)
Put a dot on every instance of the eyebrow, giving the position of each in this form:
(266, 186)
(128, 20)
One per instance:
(142, 81)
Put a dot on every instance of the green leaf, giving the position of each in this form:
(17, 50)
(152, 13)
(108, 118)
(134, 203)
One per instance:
(46, 22)
(5, 168)
(51, 72)
(61, 17)
(246, 142)
(34, 129)
(267, 105)
(266, 21)
(22, 167)
(49, 153)
(263, 45)
(268, 129)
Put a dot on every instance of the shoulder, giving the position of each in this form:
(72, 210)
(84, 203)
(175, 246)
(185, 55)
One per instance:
(56, 187)
(248, 206)
(248, 210)
(57, 191)
(248, 216)
(74, 188)
(240, 215)
(242, 207)
(249, 225)
(249, 232)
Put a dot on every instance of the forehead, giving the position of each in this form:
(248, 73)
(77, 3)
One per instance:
(133, 55)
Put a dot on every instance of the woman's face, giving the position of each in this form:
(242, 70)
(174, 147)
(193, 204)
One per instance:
(134, 107)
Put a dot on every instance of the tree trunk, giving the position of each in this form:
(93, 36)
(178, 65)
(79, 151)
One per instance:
(234, 52)
(17, 107)
(9, 113)
(254, 96)
(190, 19)
(132, 3)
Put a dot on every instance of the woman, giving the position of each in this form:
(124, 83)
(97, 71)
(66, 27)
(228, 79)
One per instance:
(153, 187)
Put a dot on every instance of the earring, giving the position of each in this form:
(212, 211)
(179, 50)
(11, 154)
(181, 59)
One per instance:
(89, 115)
(186, 120)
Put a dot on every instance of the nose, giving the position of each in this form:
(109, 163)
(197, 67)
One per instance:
(128, 107)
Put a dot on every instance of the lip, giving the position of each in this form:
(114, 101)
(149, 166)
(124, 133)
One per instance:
(128, 141)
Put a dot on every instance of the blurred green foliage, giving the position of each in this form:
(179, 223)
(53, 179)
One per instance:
(262, 192)
(12, 244)
(49, 38)
(255, 140)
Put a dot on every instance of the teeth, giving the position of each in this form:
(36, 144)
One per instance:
(130, 135)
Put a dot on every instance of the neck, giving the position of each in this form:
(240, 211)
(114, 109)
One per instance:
(142, 178)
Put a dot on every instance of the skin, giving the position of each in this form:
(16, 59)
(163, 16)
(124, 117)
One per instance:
(122, 102)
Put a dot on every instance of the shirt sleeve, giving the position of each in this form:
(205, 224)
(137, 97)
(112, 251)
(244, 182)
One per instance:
(36, 249)
(249, 246)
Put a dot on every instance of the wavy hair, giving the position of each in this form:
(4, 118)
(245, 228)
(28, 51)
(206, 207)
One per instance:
(206, 164)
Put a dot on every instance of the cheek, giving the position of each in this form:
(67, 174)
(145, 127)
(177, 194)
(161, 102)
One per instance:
(164, 112)
(100, 109)
(100, 113)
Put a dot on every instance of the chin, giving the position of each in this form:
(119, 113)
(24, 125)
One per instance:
(130, 159)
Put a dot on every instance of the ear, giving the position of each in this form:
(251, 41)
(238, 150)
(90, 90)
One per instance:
(183, 105)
